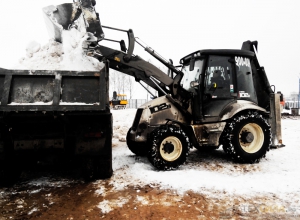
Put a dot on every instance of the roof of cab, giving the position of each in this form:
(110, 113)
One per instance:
(221, 52)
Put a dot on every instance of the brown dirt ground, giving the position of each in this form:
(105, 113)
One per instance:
(63, 198)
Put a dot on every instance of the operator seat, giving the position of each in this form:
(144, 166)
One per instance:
(217, 78)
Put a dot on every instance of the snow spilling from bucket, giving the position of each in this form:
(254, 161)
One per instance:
(68, 55)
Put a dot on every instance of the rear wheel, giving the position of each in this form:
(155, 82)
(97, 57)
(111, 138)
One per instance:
(139, 149)
(247, 138)
(169, 148)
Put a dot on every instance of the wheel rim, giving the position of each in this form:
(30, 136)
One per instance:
(251, 138)
(170, 148)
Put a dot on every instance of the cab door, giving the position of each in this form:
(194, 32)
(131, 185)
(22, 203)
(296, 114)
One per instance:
(219, 86)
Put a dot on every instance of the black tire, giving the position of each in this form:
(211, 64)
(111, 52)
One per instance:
(10, 172)
(247, 137)
(169, 147)
(10, 166)
(96, 168)
(139, 149)
(89, 169)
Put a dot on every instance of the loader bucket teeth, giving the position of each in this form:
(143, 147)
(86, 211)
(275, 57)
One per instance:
(68, 15)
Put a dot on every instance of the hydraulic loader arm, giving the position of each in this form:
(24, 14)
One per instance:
(140, 69)
(124, 61)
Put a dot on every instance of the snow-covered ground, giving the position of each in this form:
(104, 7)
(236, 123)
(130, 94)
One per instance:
(212, 174)
(207, 185)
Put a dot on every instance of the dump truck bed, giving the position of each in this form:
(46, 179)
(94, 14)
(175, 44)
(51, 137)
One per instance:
(26, 90)
(65, 113)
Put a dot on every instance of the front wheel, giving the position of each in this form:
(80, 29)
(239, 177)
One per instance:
(169, 147)
(247, 138)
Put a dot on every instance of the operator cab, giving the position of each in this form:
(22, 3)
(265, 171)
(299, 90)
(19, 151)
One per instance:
(217, 78)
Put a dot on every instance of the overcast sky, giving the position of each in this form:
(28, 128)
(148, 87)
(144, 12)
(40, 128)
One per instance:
(177, 28)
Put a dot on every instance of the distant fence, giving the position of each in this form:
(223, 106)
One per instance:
(135, 103)
(291, 104)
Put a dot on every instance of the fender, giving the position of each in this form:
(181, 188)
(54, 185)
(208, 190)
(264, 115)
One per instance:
(153, 114)
(240, 105)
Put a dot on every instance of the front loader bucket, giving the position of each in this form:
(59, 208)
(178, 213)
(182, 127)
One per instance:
(59, 18)
(72, 15)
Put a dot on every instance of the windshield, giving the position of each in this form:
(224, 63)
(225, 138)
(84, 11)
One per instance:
(191, 79)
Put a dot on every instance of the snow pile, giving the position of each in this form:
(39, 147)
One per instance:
(212, 173)
(68, 55)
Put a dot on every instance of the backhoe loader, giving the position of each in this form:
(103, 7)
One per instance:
(118, 101)
(216, 98)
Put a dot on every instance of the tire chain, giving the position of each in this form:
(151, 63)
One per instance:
(156, 161)
(229, 150)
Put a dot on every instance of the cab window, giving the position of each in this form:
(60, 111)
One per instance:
(190, 80)
(245, 87)
(219, 77)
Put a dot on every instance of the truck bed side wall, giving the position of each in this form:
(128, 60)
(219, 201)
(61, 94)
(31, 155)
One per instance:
(62, 112)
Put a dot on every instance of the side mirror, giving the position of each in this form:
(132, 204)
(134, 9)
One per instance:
(192, 63)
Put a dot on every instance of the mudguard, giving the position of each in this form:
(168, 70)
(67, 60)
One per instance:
(240, 105)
